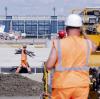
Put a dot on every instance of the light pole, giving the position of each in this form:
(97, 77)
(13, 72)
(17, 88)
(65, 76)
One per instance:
(37, 31)
(6, 9)
(54, 11)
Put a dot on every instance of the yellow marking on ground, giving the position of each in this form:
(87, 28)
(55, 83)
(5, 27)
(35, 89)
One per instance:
(16, 46)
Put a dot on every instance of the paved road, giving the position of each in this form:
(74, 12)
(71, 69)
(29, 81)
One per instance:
(20, 97)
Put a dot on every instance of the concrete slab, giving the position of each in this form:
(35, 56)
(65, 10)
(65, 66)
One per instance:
(36, 77)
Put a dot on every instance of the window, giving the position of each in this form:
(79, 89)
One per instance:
(28, 32)
(53, 17)
(15, 28)
(47, 22)
(28, 28)
(2, 22)
(60, 28)
(96, 13)
(34, 27)
(61, 22)
(34, 32)
(41, 22)
(34, 22)
(47, 32)
(8, 17)
(92, 20)
(47, 27)
(21, 27)
(21, 22)
(42, 32)
(15, 23)
(53, 26)
(41, 28)
(28, 22)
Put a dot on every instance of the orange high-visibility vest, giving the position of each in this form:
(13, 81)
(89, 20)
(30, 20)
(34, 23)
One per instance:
(71, 68)
(23, 58)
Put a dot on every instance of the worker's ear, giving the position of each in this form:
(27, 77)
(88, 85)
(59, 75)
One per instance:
(82, 31)
(66, 34)
(67, 30)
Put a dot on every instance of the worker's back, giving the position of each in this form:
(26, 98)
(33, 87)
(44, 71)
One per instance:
(24, 58)
(23, 55)
(73, 54)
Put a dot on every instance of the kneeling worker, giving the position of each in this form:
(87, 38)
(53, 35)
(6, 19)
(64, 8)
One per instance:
(69, 57)
(24, 63)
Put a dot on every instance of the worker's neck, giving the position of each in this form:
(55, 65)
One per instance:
(74, 32)
(74, 35)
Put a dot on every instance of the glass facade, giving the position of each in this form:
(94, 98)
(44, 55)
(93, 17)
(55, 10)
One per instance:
(34, 27)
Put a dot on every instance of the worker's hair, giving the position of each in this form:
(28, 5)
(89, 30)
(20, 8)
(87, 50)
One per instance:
(70, 27)
(24, 46)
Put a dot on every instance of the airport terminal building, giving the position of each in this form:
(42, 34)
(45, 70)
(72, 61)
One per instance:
(34, 26)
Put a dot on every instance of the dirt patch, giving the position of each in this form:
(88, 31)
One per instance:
(17, 85)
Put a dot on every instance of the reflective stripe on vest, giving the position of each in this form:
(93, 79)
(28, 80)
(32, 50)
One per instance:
(61, 68)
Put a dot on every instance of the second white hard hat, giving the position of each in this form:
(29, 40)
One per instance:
(74, 20)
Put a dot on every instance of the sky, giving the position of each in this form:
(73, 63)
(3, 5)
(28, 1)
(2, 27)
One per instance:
(44, 7)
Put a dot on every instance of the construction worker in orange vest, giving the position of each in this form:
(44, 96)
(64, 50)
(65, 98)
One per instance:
(24, 63)
(69, 58)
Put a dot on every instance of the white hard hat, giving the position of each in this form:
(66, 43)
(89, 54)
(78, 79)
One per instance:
(74, 20)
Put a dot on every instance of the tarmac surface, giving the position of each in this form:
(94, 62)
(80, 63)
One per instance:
(9, 58)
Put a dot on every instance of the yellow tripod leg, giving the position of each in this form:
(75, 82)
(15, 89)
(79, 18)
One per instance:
(45, 79)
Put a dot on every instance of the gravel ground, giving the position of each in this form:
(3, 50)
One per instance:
(17, 85)
(34, 97)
